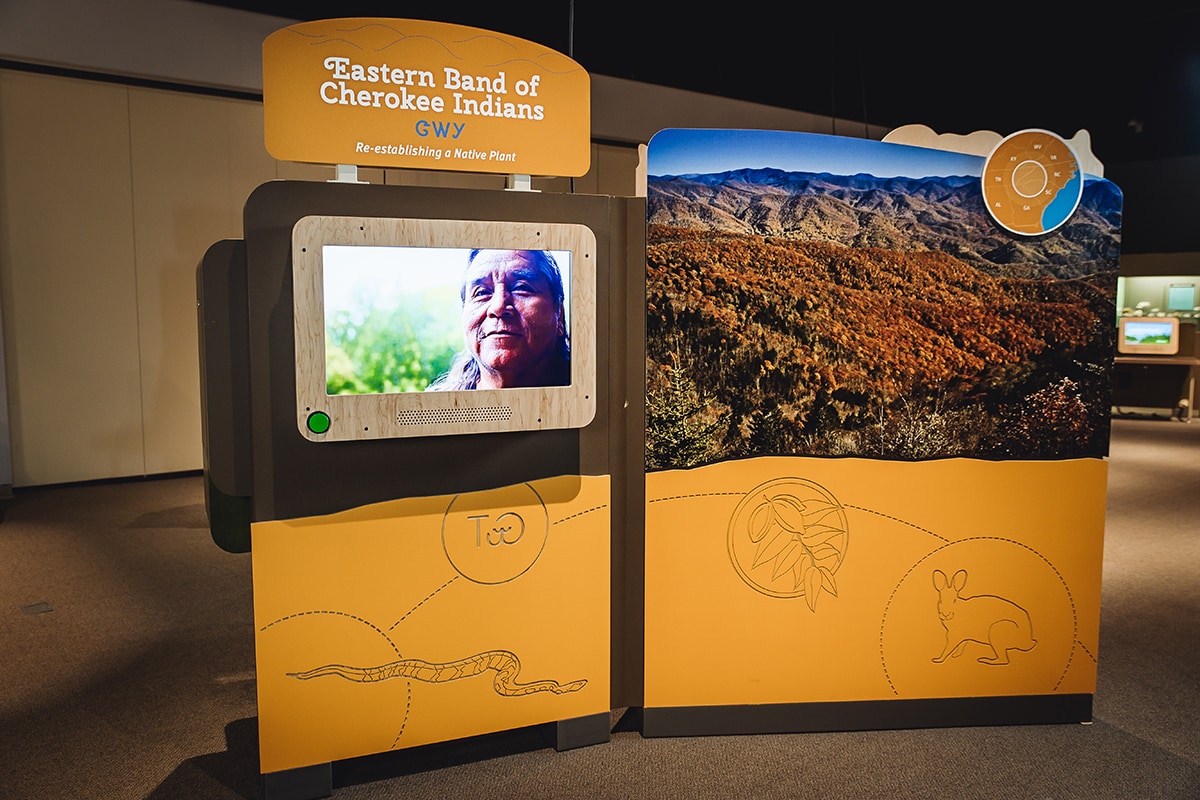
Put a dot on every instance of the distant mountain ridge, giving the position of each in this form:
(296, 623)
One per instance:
(943, 214)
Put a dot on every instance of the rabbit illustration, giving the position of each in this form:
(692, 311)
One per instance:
(998, 624)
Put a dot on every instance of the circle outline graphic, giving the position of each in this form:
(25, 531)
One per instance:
(526, 563)
(733, 531)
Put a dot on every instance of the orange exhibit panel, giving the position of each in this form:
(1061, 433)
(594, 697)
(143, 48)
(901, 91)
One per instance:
(878, 392)
(425, 620)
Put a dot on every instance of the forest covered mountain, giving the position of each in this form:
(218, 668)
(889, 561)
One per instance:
(908, 214)
(797, 313)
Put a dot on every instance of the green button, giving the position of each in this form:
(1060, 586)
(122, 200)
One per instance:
(318, 422)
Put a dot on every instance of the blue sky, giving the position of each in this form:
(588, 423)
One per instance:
(679, 151)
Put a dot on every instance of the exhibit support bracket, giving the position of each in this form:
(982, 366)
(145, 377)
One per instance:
(346, 173)
(520, 183)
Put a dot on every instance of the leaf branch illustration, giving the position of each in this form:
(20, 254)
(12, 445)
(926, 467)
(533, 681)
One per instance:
(796, 539)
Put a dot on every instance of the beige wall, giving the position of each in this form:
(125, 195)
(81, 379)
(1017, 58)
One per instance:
(109, 197)
(68, 280)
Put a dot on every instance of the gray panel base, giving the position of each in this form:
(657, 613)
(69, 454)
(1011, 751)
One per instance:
(583, 731)
(865, 715)
(302, 783)
(319, 781)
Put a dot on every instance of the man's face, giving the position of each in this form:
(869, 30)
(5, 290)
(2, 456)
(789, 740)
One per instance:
(511, 319)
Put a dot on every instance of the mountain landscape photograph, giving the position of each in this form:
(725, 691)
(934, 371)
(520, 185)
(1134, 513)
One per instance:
(800, 311)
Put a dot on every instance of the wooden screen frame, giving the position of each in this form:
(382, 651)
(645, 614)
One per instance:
(443, 413)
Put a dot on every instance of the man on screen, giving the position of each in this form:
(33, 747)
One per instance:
(513, 323)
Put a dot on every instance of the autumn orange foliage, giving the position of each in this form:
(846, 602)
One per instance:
(816, 348)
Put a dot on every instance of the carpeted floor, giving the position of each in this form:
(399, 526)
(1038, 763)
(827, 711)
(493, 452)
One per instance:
(127, 666)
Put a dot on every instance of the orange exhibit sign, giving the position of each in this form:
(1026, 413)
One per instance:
(423, 95)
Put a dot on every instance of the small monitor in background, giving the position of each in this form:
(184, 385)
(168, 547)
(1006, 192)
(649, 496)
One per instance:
(1148, 336)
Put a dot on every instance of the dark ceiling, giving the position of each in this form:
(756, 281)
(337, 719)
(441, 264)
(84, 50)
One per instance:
(1130, 78)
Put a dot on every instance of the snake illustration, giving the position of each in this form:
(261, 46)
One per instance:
(505, 664)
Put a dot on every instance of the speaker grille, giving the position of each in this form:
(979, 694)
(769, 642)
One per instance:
(446, 416)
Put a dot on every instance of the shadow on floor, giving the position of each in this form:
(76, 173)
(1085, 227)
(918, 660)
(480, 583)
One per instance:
(229, 775)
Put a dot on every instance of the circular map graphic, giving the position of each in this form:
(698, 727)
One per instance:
(1031, 182)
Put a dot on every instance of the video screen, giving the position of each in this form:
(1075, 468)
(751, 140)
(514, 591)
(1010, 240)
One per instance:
(417, 319)
(1143, 332)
